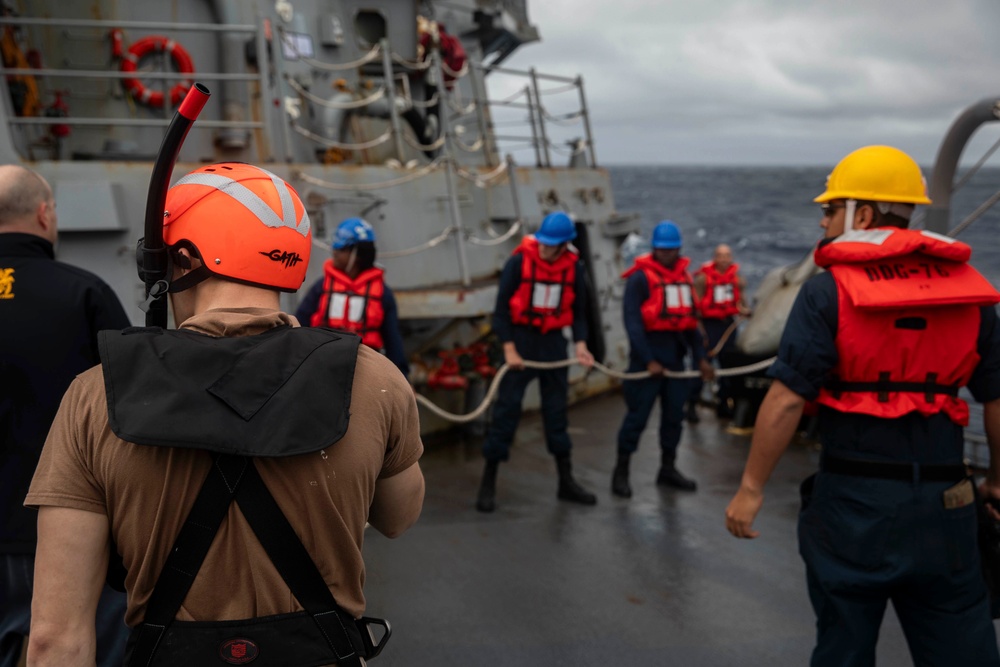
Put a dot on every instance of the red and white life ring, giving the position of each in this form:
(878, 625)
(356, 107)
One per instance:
(157, 44)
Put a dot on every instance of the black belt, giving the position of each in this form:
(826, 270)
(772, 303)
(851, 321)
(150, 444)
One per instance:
(908, 472)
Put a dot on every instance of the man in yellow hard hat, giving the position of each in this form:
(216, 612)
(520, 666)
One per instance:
(883, 341)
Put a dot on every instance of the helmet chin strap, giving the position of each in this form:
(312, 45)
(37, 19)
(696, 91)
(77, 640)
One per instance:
(849, 209)
(351, 260)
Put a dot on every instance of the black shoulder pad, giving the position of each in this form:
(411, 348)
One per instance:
(286, 391)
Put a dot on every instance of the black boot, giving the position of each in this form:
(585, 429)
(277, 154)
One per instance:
(691, 413)
(619, 478)
(486, 501)
(670, 476)
(568, 488)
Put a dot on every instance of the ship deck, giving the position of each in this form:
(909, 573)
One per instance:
(649, 581)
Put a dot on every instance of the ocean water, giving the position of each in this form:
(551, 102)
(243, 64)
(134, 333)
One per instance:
(766, 213)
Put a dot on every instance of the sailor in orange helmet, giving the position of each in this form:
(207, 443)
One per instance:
(312, 434)
(883, 341)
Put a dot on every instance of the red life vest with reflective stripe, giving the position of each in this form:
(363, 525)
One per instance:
(352, 305)
(670, 306)
(722, 291)
(908, 322)
(545, 297)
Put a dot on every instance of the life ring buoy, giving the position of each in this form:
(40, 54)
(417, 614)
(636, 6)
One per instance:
(157, 44)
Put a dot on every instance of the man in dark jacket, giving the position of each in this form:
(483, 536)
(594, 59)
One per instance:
(51, 313)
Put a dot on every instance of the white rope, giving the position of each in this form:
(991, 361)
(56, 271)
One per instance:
(452, 73)
(474, 147)
(356, 104)
(427, 104)
(507, 100)
(330, 67)
(460, 110)
(411, 64)
(482, 180)
(420, 173)
(499, 239)
(437, 240)
(495, 384)
(336, 144)
(424, 147)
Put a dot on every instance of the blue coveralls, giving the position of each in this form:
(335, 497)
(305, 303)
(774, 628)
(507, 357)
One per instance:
(666, 347)
(866, 541)
(533, 345)
(391, 337)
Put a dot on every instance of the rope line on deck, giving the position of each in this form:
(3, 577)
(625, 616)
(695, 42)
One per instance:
(495, 384)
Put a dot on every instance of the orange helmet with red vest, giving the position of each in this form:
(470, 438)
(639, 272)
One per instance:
(245, 224)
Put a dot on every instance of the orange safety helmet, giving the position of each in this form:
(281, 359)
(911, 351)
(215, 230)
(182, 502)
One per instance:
(245, 224)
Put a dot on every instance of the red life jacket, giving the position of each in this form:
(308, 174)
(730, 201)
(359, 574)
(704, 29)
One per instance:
(722, 291)
(545, 297)
(670, 306)
(352, 305)
(908, 322)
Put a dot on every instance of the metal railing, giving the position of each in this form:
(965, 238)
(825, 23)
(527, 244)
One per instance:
(165, 77)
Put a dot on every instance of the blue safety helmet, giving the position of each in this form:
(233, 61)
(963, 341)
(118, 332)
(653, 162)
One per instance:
(351, 232)
(557, 228)
(666, 235)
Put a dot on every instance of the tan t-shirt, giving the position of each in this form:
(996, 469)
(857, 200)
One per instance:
(146, 492)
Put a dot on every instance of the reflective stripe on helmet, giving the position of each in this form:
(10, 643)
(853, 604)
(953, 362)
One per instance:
(253, 203)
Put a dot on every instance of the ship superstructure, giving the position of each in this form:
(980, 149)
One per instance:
(346, 101)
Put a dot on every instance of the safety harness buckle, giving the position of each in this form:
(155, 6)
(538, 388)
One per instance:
(372, 646)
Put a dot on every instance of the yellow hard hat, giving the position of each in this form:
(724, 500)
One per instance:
(876, 173)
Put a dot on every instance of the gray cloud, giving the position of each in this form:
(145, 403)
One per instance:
(766, 81)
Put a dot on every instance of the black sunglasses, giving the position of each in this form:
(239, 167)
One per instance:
(829, 209)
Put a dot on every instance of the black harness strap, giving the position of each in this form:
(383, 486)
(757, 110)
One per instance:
(231, 478)
(929, 387)
(190, 549)
(297, 568)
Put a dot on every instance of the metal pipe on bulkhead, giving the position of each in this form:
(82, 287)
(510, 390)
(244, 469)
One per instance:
(235, 97)
(585, 112)
(390, 92)
(942, 180)
(449, 172)
(541, 118)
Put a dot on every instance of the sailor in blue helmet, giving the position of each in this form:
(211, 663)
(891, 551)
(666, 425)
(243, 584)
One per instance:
(352, 294)
(542, 291)
(660, 319)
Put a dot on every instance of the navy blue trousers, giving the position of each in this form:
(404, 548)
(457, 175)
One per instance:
(714, 329)
(16, 585)
(868, 541)
(640, 397)
(554, 385)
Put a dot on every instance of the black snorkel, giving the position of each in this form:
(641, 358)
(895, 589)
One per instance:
(151, 253)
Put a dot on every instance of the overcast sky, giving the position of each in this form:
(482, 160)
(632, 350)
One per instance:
(769, 81)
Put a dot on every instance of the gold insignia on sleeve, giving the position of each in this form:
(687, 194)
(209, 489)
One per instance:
(6, 283)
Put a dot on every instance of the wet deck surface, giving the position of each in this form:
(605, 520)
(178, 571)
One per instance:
(653, 580)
